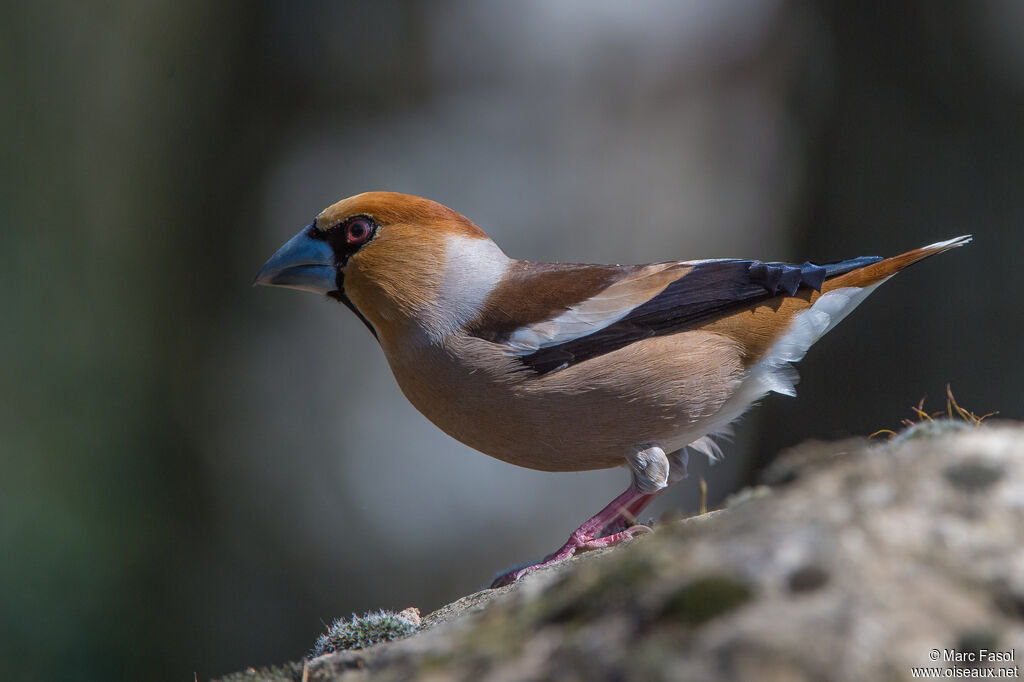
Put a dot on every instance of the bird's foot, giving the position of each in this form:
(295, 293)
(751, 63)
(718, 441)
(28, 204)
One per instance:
(577, 543)
(610, 526)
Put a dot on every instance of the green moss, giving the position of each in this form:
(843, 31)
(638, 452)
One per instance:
(361, 632)
(705, 598)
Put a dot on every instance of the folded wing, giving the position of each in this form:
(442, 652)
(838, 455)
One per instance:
(628, 310)
(554, 315)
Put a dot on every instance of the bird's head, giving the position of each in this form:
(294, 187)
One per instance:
(393, 259)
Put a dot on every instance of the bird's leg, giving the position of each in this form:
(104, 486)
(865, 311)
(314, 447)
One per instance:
(616, 520)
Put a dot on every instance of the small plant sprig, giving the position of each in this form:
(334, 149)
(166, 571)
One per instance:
(953, 413)
(371, 628)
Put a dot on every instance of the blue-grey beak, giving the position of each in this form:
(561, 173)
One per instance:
(303, 263)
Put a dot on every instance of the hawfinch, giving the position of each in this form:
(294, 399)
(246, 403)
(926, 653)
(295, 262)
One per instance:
(568, 367)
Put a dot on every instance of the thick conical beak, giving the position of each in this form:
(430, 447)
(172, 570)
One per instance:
(303, 263)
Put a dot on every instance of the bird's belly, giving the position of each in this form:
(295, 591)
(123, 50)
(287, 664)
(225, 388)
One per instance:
(587, 416)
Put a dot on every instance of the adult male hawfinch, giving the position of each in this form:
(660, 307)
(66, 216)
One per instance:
(567, 367)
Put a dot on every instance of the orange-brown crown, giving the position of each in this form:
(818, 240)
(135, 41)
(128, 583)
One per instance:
(398, 274)
(394, 208)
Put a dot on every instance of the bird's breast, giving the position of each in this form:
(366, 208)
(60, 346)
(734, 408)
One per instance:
(661, 390)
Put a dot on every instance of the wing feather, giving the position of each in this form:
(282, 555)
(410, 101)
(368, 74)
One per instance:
(600, 311)
(643, 304)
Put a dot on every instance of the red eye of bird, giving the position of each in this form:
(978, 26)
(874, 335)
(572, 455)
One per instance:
(358, 230)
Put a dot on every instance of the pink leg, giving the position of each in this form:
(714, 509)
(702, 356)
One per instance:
(615, 520)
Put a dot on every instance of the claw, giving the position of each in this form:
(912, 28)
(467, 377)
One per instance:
(621, 513)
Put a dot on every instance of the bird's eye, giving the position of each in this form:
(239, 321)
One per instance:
(358, 230)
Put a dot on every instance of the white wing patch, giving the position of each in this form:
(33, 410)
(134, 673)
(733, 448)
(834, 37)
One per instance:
(608, 307)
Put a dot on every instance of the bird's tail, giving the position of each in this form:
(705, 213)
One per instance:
(876, 273)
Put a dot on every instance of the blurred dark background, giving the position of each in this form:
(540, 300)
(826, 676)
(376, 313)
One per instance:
(196, 475)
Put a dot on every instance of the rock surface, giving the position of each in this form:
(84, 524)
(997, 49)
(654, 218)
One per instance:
(862, 561)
